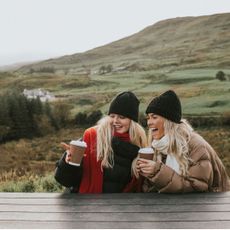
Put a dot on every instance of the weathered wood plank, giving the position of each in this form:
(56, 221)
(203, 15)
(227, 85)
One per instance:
(111, 195)
(115, 208)
(139, 217)
(124, 225)
(101, 201)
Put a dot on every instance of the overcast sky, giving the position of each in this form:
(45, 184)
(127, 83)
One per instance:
(40, 29)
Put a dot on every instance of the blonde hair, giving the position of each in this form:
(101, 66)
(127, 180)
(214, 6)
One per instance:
(104, 139)
(179, 136)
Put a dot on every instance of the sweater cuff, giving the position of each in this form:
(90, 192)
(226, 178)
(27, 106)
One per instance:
(62, 163)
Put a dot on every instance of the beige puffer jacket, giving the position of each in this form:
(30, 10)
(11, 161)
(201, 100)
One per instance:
(206, 172)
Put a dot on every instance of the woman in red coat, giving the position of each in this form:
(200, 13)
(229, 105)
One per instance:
(112, 145)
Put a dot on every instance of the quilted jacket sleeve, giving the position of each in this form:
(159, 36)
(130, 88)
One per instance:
(165, 179)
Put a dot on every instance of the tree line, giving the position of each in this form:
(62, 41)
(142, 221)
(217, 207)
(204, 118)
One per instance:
(24, 118)
(21, 117)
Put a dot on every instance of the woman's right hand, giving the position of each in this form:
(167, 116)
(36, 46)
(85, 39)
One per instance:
(66, 147)
(145, 167)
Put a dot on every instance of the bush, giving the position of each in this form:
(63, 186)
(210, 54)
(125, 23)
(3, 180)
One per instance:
(30, 183)
(49, 184)
(220, 75)
(94, 117)
(105, 69)
(81, 119)
(205, 121)
(28, 186)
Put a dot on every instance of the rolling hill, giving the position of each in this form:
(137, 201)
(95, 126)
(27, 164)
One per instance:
(183, 54)
(179, 43)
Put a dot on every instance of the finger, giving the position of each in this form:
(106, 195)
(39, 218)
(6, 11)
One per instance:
(143, 165)
(147, 172)
(65, 146)
(144, 160)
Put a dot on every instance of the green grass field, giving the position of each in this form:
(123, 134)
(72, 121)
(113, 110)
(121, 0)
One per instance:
(198, 89)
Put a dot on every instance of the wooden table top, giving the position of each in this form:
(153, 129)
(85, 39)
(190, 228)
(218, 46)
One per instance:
(123, 210)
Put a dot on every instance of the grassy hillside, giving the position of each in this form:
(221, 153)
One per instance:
(198, 89)
(179, 43)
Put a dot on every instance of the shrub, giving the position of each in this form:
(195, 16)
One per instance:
(220, 75)
(48, 184)
(31, 183)
(94, 117)
(28, 186)
(81, 119)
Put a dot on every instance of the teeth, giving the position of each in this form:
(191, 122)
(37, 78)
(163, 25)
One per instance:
(153, 129)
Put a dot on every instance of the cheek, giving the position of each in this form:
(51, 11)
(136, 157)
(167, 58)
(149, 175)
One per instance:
(161, 130)
(126, 126)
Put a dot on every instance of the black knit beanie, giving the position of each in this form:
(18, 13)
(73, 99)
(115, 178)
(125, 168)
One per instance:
(125, 104)
(166, 105)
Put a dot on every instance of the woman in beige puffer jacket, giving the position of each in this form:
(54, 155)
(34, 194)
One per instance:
(183, 160)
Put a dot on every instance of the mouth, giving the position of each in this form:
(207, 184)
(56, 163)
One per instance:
(117, 127)
(153, 130)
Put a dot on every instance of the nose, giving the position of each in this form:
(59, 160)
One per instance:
(115, 119)
(150, 122)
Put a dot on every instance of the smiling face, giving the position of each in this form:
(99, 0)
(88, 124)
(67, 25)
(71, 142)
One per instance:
(156, 125)
(120, 123)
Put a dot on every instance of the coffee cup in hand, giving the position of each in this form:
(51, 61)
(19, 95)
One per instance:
(146, 153)
(77, 150)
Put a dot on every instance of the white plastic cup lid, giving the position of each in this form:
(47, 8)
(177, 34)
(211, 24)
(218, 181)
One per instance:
(78, 143)
(147, 150)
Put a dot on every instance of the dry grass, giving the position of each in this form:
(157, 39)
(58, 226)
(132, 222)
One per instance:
(28, 165)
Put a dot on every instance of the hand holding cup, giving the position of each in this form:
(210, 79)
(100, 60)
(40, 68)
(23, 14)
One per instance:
(75, 151)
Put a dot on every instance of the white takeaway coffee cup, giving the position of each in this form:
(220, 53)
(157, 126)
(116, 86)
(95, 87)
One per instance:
(146, 153)
(77, 150)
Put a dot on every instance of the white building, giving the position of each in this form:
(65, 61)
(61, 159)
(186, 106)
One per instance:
(41, 93)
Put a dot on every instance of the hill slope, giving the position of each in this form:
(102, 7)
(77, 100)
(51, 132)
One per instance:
(187, 42)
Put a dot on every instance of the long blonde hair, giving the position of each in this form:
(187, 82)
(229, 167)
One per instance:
(105, 135)
(179, 137)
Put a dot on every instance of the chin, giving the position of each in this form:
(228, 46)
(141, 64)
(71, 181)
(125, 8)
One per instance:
(156, 137)
(120, 131)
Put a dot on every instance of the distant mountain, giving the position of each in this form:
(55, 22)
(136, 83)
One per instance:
(15, 66)
(179, 43)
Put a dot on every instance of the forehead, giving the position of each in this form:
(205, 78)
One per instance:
(155, 115)
(151, 114)
(118, 115)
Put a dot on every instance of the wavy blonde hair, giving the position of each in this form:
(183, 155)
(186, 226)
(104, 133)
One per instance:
(179, 137)
(104, 139)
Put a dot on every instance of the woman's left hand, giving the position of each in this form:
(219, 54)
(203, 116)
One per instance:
(146, 166)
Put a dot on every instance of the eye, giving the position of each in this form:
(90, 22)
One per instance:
(121, 117)
(112, 115)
